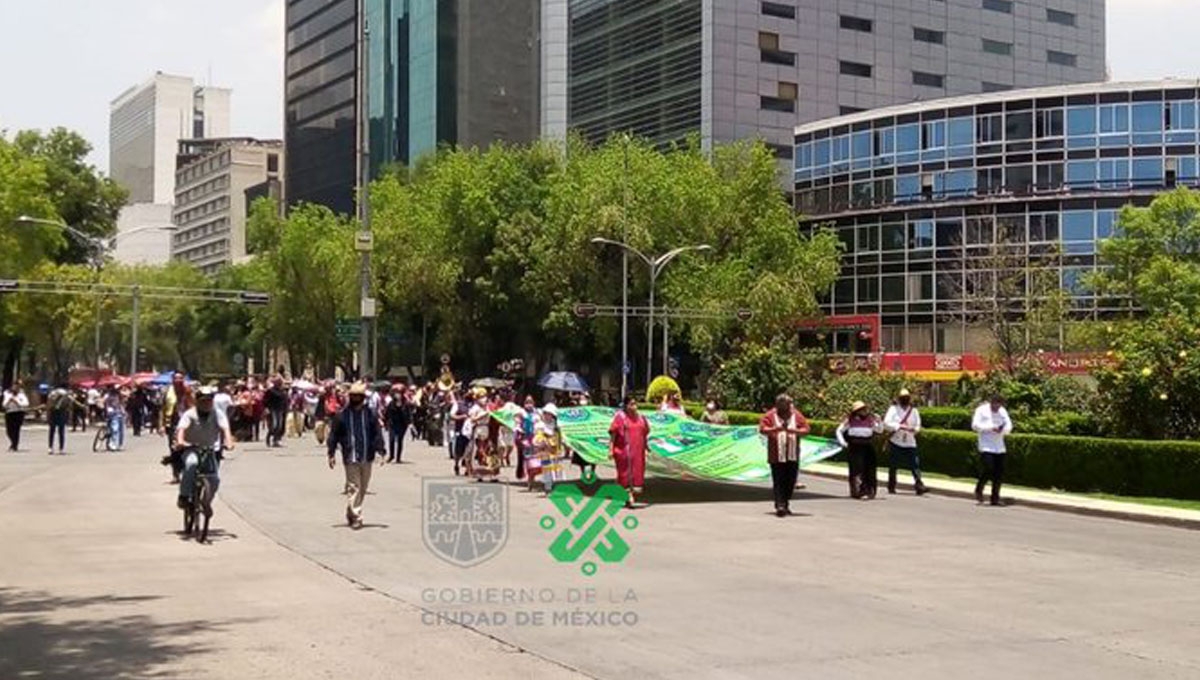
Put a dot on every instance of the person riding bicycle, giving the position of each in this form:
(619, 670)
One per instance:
(201, 427)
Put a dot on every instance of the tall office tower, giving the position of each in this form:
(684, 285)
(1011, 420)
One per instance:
(437, 71)
(146, 123)
(733, 69)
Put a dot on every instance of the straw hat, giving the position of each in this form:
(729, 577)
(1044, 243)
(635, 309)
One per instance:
(858, 406)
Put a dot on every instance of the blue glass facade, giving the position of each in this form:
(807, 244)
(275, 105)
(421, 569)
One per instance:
(919, 193)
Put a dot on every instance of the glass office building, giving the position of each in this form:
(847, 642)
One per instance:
(438, 72)
(635, 65)
(922, 193)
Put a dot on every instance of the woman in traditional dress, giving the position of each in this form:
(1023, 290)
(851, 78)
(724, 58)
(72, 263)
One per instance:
(548, 449)
(629, 436)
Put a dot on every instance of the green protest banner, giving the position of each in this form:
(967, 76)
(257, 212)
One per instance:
(679, 446)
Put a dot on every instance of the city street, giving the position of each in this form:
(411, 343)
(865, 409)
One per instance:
(95, 582)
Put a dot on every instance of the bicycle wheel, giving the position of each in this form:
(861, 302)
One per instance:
(101, 439)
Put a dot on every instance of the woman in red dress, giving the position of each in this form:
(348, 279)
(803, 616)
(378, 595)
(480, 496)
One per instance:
(629, 435)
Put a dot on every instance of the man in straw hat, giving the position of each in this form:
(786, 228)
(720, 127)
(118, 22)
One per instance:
(903, 421)
(356, 430)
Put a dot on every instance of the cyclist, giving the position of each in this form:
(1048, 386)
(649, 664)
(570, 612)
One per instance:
(200, 427)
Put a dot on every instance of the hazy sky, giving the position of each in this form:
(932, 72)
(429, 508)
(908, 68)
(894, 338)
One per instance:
(63, 61)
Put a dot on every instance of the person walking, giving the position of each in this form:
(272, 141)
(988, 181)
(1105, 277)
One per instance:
(856, 435)
(59, 405)
(629, 437)
(903, 421)
(784, 426)
(397, 416)
(275, 400)
(356, 431)
(114, 412)
(176, 402)
(548, 448)
(15, 403)
(992, 424)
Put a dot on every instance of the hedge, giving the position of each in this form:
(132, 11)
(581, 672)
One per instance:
(953, 418)
(1125, 467)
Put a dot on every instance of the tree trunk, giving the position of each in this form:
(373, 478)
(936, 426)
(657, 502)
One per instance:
(12, 354)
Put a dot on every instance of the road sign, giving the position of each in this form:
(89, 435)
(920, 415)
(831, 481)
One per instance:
(585, 310)
(364, 241)
(368, 308)
(248, 297)
(8, 285)
(348, 330)
(744, 314)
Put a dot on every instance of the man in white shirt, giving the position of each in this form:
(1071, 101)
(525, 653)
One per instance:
(992, 423)
(14, 403)
(903, 422)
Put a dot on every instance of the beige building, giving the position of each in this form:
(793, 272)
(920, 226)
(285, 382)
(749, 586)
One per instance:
(215, 184)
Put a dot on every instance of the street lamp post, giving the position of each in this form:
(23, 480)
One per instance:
(656, 265)
(100, 247)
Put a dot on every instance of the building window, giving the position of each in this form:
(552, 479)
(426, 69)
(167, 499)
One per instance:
(1005, 6)
(1050, 123)
(856, 24)
(1055, 16)
(272, 162)
(847, 110)
(774, 9)
(1060, 58)
(768, 44)
(929, 36)
(785, 99)
(853, 68)
(997, 47)
(996, 87)
(928, 79)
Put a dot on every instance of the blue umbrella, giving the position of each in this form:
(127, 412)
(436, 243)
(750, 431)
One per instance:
(163, 378)
(563, 381)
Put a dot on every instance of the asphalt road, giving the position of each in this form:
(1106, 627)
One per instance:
(714, 586)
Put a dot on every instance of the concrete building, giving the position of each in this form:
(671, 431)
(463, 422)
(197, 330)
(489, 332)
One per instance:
(216, 182)
(146, 123)
(144, 234)
(734, 69)
(925, 195)
(438, 72)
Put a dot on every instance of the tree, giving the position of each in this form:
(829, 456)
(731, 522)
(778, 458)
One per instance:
(492, 249)
(1013, 291)
(308, 264)
(1154, 260)
(53, 324)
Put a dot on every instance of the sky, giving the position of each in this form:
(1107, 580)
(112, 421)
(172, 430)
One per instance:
(63, 61)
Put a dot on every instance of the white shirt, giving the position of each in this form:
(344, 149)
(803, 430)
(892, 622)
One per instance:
(222, 402)
(468, 429)
(909, 416)
(93, 397)
(985, 422)
(206, 432)
(14, 401)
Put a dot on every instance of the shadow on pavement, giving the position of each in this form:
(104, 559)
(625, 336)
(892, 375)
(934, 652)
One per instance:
(35, 641)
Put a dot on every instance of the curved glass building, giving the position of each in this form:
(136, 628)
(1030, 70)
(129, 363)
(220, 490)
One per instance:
(924, 194)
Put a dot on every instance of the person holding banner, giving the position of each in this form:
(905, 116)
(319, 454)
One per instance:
(629, 436)
(784, 427)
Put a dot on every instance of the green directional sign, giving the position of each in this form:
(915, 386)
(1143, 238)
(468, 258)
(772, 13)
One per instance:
(348, 330)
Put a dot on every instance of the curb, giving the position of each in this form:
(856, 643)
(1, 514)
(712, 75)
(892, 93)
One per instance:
(1126, 515)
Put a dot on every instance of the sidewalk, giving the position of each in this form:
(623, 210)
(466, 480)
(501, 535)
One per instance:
(1046, 500)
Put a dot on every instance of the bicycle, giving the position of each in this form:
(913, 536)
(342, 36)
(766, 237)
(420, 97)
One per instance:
(200, 508)
(102, 439)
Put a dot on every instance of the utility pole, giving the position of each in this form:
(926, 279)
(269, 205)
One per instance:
(625, 368)
(364, 240)
(137, 312)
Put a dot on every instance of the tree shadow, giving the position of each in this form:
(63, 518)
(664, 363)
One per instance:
(47, 636)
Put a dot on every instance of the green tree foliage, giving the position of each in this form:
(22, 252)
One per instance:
(660, 388)
(1154, 260)
(493, 248)
(54, 325)
(854, 386)
(756, 374)
(308, 264)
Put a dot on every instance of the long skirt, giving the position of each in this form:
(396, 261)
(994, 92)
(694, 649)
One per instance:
(631, 469)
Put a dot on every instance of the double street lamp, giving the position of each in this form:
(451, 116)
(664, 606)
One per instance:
(656, 265)
(100, 247)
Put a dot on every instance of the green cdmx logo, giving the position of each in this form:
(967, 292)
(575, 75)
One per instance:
(592, 523)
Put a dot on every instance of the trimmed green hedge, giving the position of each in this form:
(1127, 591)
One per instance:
(954, 418)
(1126, 467)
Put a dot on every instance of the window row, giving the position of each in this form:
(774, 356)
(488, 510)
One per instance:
(952, 288)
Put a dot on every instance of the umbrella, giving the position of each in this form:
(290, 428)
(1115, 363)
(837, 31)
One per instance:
(114, 379)
(563, 381)
(140, 378)
(163, 378)
(489, 383)
(302, 384)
